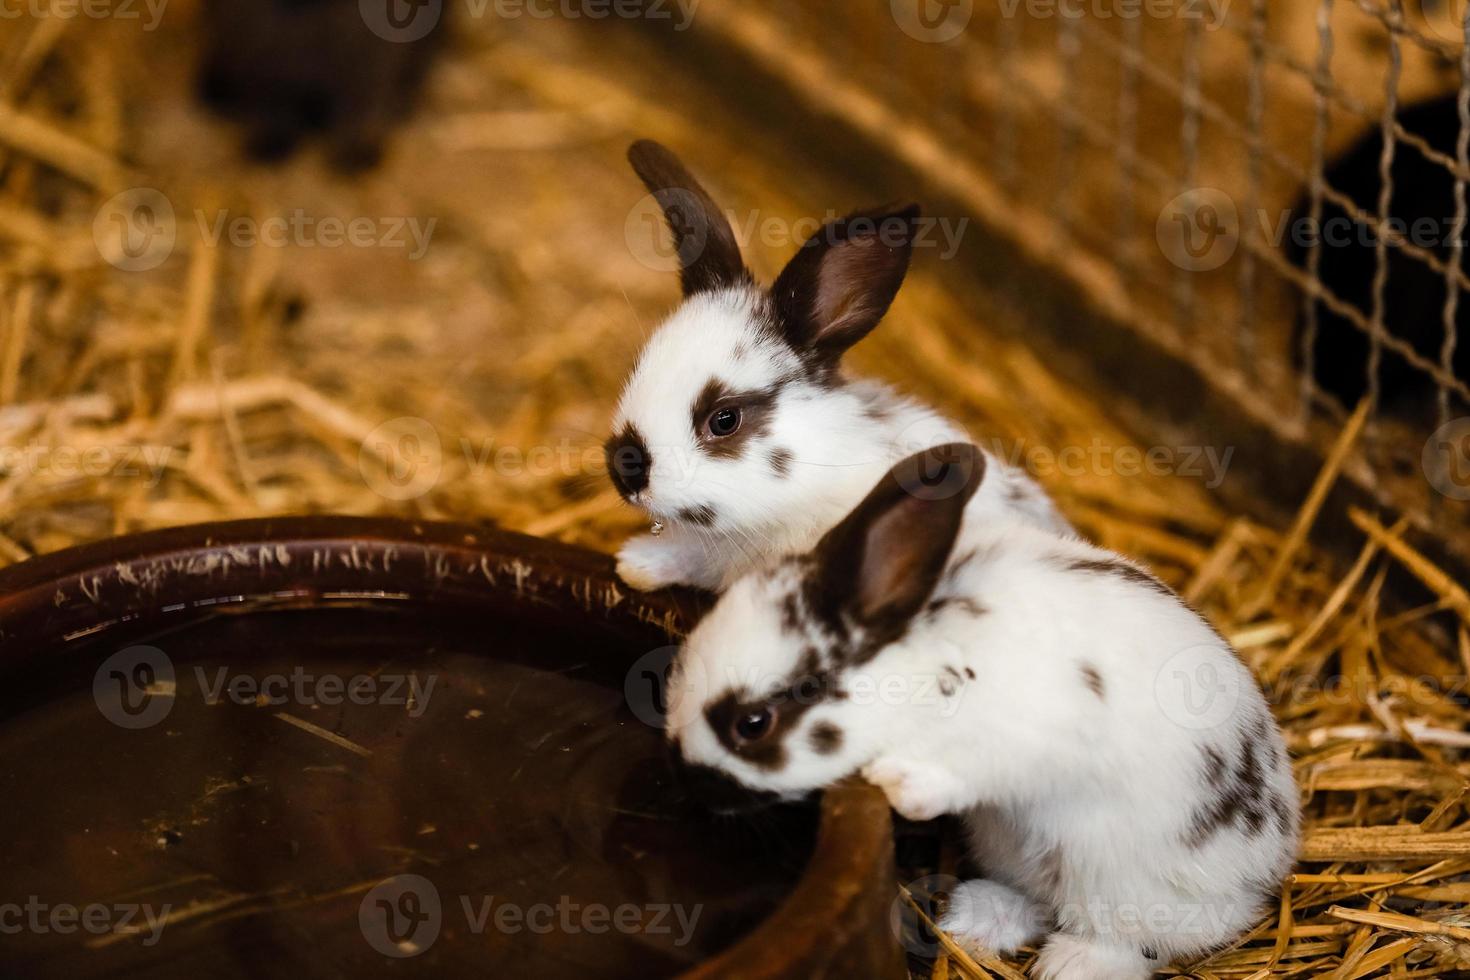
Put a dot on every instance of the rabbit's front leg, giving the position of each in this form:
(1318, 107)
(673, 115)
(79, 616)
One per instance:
(675, 557)
(917, 789)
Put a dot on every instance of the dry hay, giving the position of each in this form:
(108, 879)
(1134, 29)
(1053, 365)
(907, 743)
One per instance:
(260, 378)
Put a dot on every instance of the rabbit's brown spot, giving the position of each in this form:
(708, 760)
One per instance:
(1236, 794)
(826, 738)
(629, 461)
(703, 516)
(780, 461)
(756, 729)
(970, 673)
(875, 411)
(791, 618)
(966, 560)
(1093, 680)
(964, 603)
(728, 717)
(1051, 867)
(1121, 569)
(1283, 812)
(727, 421)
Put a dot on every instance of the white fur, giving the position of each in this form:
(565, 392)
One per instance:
(838, 449)
(1077, 802)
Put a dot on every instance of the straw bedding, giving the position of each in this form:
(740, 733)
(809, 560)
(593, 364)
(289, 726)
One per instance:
(236, 381)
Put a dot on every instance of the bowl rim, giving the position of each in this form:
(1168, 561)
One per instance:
(56, 593)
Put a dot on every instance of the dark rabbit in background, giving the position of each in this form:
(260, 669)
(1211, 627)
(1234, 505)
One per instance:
(1423, 208)
(287, 68)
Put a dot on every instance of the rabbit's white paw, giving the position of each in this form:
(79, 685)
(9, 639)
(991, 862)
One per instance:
(647, 563)
(1071, 958)
(917, 790)
(988, 917)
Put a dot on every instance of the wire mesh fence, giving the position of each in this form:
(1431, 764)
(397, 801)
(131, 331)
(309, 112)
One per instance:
(1275, 190)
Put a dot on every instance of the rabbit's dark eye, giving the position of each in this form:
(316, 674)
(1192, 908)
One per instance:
(723, 422)
(755, 725)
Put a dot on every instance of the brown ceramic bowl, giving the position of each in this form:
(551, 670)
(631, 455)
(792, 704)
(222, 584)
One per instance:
(342, 747)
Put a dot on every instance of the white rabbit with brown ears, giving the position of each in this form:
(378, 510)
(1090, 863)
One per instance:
(737, 432)
(1126, 789)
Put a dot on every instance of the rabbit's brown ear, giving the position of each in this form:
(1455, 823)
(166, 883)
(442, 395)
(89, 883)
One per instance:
(709, 256)
(878, 567)
(842, 281)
